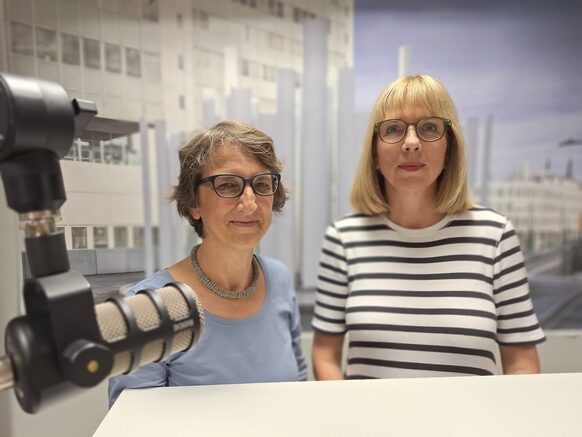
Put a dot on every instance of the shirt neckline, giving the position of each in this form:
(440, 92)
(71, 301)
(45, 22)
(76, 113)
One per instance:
(420, 232)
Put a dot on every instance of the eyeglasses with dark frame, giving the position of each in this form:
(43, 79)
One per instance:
(427, 129)
(231, 185)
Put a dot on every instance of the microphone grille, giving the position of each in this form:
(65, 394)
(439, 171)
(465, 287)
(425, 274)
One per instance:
(114, 327)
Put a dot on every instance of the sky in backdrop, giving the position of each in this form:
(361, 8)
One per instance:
(520, 61)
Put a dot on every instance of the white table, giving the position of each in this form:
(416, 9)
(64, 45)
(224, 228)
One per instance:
(527, 405)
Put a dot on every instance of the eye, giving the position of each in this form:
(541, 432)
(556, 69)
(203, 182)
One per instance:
(227, 184)
(263, 184)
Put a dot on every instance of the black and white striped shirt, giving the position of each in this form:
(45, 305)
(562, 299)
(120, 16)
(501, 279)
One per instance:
(424, 302)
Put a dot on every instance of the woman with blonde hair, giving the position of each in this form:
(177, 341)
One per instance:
(424, 282)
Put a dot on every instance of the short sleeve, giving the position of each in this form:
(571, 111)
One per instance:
(332, 285)
(517, 322)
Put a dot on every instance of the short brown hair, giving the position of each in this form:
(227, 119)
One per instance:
(422, 91)
(199, 152)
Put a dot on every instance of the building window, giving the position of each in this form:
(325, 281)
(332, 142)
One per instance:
(150, 9)
(244, 67)
(113, 58)
(138, 236)
(276, 8)
(200, 18)
(91, 53)
(181, 101)
(100, 237)
(120, 236)
(79, 235)
(46, 44)
(132, 62)
(300, 15)
(71, 50)
(151, 67)
(180, 62)
(179, 19)
(22, 41)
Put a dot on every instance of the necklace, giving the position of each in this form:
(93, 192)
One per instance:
(225, 294)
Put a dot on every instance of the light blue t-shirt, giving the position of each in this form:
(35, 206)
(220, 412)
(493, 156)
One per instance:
(265, 347)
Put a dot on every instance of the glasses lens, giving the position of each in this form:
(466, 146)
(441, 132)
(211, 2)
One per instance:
(430, 129)
(392, 131)
(265, 184)
(228, 186)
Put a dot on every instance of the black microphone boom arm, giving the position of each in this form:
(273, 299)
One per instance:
(58, 345)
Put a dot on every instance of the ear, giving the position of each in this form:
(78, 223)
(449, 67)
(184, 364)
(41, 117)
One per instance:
(195, 212)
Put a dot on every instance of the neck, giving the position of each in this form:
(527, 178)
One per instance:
(229, 269)
(413, 210)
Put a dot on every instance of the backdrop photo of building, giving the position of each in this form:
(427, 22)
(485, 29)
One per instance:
(157, 71)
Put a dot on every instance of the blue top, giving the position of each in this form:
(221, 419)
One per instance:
(265, 347)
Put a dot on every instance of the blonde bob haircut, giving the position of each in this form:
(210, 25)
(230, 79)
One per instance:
(413, 92)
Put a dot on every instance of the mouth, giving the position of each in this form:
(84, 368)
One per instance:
(413, 166)
(245, 223)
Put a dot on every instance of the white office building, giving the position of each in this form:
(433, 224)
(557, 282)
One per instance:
(169, 64)
(545, 209)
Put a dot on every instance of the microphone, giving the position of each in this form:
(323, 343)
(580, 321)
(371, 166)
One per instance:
(135, 331)
(150, 325)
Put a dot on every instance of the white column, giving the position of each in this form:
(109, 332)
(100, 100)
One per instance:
(181, 234)
(230, 69)
(268, 246)
(403, 60)
(315, 155)
(209, 107)
(147, 199)
(486, 168)
(472, 150)
(239, 106)
(348, 140)
(285, 137)
(165, 248)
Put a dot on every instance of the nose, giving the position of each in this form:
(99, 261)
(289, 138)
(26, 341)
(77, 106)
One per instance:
(247, 202)
(411, 141)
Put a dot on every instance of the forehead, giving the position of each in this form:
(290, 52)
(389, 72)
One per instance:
(233, 158)
(411, 114)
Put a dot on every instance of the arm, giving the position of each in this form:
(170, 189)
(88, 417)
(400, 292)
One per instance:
(326, 356)
(329, 311)
(519, 359)
(150, 375)
(296, 339)
(518, 328)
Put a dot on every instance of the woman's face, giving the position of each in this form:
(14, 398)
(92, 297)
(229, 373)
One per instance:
(235, 223)
(410, 166)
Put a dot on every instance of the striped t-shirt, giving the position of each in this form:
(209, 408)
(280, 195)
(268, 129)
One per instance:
(424, 302)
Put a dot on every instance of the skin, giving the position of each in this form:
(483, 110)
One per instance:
(232, 230)
(411, 169)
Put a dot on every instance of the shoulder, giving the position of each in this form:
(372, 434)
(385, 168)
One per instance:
(482, 216)
(157, 280)
(274, 267)
(277, 275)
(356, 223)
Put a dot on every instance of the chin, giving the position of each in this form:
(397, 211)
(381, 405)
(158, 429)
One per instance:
(246, 242)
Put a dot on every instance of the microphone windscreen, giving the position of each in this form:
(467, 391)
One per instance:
(188, 324)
